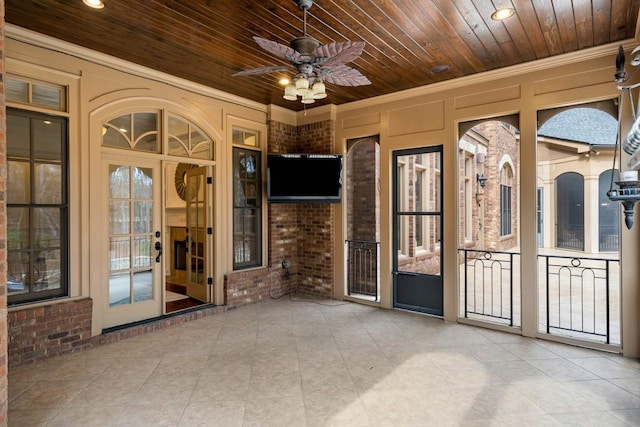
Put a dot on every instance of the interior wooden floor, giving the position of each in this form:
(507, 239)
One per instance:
(182, 304)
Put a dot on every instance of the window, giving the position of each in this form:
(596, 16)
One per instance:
(420, 205)
(136, 131)
(245, 137)
(187, 140)
(505, 200)
(37, 207)
(466, 196)
(43, 95)
(608, 212)
(401, 195)
(247, 208)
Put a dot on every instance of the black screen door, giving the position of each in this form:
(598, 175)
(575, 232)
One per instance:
(417, 230)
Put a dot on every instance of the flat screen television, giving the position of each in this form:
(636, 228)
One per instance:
(304, 178)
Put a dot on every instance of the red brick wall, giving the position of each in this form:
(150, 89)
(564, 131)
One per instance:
(299, 233)
(37, 333)
(363, 186)
(3, 235)
(503, 141)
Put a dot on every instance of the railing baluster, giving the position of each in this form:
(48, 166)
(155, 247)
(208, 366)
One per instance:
(362, 268)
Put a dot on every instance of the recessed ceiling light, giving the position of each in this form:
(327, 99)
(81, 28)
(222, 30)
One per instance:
(503, 13)
(96, 4)
(284, 81)
(439, 69)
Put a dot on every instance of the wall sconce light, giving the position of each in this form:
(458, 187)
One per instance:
(628, 192)
(482, 180)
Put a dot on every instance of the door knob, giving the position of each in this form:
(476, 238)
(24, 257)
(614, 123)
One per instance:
(159, 249)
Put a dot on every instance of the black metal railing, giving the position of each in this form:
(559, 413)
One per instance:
(578, 295)
(571, 237)
(362, 268)
(489, 285)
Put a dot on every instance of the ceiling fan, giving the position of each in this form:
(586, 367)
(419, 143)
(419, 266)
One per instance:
(313, 62)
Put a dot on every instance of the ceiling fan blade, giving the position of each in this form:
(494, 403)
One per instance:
(262, 70)
(339, 53)
(278, 49)
(343, 75)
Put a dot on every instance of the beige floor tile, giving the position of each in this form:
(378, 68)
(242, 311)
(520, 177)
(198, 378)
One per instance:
(562, 370)
(48, 395)
(100, 416)
(159, 389)
(108, 392)
(590, 419)
(275, 384)
(336, 410)
(275, 412)
(225, 385)
(30, 417)
(228, 413)
(296, 363)
(166, 415)
(604, 395)
(606, 368)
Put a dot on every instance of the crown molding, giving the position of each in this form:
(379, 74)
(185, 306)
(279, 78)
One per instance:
(494, 75)
(39, 40)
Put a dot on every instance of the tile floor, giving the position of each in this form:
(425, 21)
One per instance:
(293, 363)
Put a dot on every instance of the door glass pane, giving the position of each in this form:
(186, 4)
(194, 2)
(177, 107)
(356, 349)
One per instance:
(142, 254)
(142, 286)
(120, 217)
(119, 184)
(143, 276)
(119, 253)
(142, 183)
(132, 255)
(119, 289)
(143, 215)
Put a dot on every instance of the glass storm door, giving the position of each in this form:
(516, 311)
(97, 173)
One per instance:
(134, 244)
(199, 233)
(417, 230)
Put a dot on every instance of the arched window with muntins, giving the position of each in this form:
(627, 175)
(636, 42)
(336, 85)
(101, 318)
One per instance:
(608, 213)
(570, 211)
(133, 131)
(140, 131)
(506, 185)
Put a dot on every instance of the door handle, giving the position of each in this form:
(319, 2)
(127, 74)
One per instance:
(159, 249)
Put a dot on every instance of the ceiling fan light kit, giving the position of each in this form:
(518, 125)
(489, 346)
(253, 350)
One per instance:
(313, 62)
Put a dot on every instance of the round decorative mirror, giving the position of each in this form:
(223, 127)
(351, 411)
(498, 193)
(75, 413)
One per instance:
(180, 179)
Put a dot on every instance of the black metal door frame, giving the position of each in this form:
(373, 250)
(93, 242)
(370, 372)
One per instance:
(414, 290)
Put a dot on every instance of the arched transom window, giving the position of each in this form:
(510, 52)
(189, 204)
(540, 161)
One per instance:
(141, 131)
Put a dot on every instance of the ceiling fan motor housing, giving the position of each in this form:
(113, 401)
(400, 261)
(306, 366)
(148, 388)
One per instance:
(304, 45)
(304, 4)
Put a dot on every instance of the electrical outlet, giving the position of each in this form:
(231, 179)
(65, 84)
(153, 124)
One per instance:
(285, 263)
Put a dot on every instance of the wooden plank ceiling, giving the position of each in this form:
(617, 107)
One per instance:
(207, 41)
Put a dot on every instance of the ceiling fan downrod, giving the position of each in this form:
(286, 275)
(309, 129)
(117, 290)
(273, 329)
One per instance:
(304, 5)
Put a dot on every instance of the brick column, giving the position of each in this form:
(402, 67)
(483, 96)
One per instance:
(3, 230)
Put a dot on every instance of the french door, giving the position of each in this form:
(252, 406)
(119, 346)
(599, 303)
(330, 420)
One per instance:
(199, 234)
(132, 253)
(417, 230)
